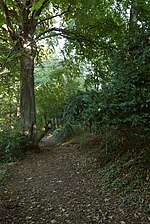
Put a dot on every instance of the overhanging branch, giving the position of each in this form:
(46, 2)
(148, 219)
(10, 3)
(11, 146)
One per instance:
(42, 35)
(57, 15)
(68, 34)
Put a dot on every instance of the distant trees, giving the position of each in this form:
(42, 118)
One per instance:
(54, 82)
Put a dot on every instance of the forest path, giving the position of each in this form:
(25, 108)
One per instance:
(59, 186)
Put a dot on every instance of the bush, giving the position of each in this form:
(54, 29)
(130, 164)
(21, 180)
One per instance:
(124, 100)
(10, 145)
(81, 109)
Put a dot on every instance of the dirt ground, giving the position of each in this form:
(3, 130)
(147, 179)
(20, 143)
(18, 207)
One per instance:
(62, 185)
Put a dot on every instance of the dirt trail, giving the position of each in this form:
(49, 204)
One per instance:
(59, 186)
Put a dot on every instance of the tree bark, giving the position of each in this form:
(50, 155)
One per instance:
(133, 17)
(27, 98)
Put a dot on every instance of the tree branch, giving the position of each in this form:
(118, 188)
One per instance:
(69, 34)
(19, 4)
(47, 31)
(50, 35)
(5, 60)
(57, 15)
(8, 22)
(75, 36)
(14, 14)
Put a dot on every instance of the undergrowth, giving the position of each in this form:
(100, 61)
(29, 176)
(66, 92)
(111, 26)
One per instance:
(124, 164)
(124, 168)
(10, 146)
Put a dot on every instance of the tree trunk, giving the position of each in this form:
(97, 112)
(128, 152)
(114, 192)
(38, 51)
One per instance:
(133, 17)
(27, 98)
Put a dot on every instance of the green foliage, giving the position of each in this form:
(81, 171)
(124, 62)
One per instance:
(10, 145)
(98, 41)
(49, 100)
(54, 82)
(81, 108)
(124, 100)
(129, 87)
(37, 5)
(9, 100)
(10, 142)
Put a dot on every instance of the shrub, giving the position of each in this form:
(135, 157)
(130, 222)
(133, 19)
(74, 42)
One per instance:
(124, 100)
(81, 109)
(10, 145)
